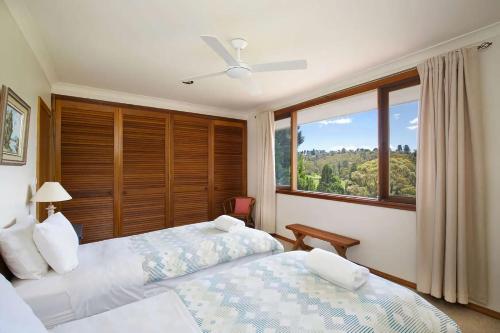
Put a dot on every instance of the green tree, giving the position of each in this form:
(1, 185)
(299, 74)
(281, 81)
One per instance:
(407, 149)
(330, 183)
(282, 142)
(364, 180)
(403, 175)
(282, 156)
(304, 181)
(7, 134)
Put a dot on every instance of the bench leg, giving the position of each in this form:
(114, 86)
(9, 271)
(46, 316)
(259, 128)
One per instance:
(340, 250)
(299, 243)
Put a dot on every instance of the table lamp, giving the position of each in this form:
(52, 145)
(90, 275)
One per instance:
(51, 192)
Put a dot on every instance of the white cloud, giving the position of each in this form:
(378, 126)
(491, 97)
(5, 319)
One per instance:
(340, 121)
(413, 124)
(397, 116)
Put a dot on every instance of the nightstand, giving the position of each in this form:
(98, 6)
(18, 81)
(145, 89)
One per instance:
(79, 231)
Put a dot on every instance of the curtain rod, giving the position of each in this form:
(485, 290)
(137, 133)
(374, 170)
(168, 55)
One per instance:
(484, 46)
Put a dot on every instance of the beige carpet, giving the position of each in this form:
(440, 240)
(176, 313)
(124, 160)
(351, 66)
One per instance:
(470, 321)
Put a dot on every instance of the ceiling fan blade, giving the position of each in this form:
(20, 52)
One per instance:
(195, 78)
(218, 48)
(251, 86)
(280, 66)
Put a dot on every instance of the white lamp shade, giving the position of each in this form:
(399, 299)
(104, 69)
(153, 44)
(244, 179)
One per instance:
(51, 192)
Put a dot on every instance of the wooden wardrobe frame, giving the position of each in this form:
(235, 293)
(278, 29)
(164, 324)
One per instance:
(118, 131)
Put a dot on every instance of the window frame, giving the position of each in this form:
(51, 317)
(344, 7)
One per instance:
(384, 86)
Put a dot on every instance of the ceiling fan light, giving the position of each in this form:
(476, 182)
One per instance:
(238, 72)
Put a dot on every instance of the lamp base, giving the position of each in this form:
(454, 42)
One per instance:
(51, 209)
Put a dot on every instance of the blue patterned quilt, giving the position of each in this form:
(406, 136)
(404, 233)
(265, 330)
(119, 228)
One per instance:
(279, 294)
(174, 252)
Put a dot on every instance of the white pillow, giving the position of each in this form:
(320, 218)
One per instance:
(57, 241)
(337, 270)
(227, 223)
(20, 252)
(15, 314)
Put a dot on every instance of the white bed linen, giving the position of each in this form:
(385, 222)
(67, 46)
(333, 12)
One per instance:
(158, 314)
(57, 299)
(47, 297)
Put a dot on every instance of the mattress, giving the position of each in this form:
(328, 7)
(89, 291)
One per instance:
(50, 300)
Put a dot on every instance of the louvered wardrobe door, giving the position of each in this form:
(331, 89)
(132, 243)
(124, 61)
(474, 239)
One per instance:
(85, 163)
(144, 176)
(190, 169)
(229, 162)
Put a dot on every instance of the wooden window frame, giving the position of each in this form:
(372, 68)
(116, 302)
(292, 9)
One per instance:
(384, 86)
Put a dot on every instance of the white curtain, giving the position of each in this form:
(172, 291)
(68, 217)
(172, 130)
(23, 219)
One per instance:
(265, 207)
(451, 242)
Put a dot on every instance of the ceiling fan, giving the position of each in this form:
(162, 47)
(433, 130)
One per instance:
(237, 69)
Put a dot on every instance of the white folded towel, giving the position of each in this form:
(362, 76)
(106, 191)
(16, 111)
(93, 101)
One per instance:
(335, 269)
(226, 222)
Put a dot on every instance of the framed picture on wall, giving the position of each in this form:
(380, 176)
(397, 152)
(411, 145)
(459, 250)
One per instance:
(14, 128)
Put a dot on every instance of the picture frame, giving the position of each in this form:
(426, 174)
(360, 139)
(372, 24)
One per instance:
(14, 128)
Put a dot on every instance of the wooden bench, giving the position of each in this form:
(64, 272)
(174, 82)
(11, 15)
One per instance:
(339, 242)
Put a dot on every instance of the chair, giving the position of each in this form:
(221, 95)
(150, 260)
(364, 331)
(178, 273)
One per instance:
(240, 208)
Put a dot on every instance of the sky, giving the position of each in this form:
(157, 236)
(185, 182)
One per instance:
(360, 130)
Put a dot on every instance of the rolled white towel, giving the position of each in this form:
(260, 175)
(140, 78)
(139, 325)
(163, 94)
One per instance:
(226, 222)
(336, 269)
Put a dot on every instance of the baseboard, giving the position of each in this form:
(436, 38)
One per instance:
(483, 310)
(406, 283)
(392, 278)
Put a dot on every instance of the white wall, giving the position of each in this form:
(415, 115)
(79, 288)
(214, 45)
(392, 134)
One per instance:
(388, 240)
(20, 71)
(387, 235)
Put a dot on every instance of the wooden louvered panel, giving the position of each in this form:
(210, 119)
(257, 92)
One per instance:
(96, 215)
(190, 162)
(133, 169)
(86, 165)
(142, 212)
(229, 163)
(190, 207)
(144, 171)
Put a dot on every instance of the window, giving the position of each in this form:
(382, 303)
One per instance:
(282, 152)
(356, 145)
(338, 147)
(403, 126)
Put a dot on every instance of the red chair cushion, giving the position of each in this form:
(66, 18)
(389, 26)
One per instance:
(242, 205)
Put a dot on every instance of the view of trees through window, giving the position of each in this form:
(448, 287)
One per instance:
(403, 128)
(282, 152)
(338, 146)
(339, 155)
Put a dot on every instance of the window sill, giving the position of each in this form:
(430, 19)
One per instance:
(350, 199)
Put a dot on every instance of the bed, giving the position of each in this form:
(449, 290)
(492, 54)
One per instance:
(273, 294)
(119, 271)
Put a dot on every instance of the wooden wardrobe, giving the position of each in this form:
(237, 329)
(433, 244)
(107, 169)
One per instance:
(135, 169)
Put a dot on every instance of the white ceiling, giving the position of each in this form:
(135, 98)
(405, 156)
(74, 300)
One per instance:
(147, 47)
